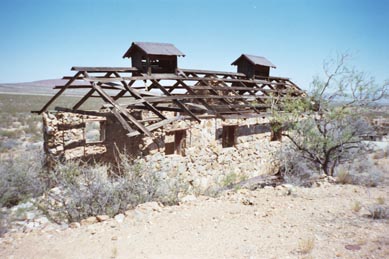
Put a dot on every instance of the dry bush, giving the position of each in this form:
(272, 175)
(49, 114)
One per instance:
(3, 223)
(84, 190)
(20, 179)
(306, 245)
(293, 167)
(378, 211)
(381, 200)
(361, 171)
(382, 153)
(343, 176)
(356, 207)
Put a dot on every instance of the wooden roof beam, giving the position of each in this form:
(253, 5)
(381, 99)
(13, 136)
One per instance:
(105, 69)
(178, 102)
(44, 108)
(136, 95)
(192, 92)
(110, 100)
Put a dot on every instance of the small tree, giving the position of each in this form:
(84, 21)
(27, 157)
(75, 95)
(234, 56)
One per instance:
(326, 127)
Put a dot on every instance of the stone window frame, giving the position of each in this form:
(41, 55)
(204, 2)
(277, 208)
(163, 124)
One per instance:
(102, 131)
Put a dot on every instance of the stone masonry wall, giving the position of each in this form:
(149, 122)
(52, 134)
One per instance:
(202, 160)
(206, 161)
(65, 136)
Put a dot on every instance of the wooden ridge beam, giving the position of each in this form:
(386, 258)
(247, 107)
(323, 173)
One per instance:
(105, 69)
(199, 71)
(174, 77)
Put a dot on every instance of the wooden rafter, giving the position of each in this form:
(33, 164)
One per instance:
(136, 95)
(178, 102)
(44, 108)
(227, 94)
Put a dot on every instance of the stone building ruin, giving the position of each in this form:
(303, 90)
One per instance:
(180, 120)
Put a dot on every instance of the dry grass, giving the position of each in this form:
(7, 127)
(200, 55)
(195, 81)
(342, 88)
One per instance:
(306, 245)
(343, 176)
(356, 207)
(381, 200)
(114, 252)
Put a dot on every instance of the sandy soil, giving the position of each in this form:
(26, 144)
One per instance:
(266, 223)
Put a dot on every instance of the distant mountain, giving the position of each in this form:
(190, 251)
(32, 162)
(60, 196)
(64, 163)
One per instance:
(35, 87)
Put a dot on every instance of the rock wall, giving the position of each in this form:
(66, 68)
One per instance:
(65, 136)
(213, 150)
(206, 161)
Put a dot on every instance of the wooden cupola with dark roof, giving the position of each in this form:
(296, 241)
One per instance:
(151, 57)
(251, 66)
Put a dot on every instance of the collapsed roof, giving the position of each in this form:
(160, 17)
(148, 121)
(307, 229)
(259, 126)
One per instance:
(191, 94)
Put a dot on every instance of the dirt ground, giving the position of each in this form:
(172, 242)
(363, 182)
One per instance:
(281, 222)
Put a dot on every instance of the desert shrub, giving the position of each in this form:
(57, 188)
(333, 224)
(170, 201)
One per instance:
(381, 200)
(382, 153)
(365, 172)
(3, 223)
(9, 144)
(11, 133)
(356, 207)
(361, 171)
(84, 190)
(148, 185)
(378, 211)
(292, 167)
(333, 129)
(343, 176)
(232, 178)
(20, 179)
(306, 245)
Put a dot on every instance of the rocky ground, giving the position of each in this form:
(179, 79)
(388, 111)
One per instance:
(282, 222)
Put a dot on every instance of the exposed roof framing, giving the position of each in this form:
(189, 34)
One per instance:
(189, 92)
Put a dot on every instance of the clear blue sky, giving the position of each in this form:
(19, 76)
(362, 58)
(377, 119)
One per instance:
(42, 39)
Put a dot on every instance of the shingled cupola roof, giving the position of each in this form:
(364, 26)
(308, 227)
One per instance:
(152, 48)
(255, 60)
